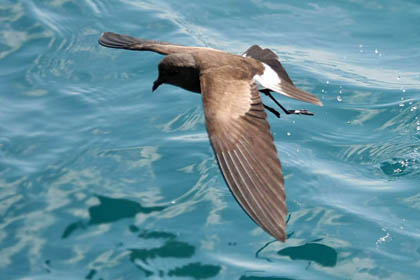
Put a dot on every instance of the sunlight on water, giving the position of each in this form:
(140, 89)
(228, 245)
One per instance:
(102, 179)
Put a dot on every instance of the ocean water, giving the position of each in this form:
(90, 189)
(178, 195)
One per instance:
(102, 179)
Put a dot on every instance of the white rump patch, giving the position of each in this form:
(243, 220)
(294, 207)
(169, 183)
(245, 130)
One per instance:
(269, 79)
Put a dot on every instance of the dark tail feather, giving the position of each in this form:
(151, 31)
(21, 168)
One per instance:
(118, 41)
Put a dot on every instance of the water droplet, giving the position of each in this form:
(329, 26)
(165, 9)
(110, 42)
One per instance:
(401, 104)
(322, 90)
(327, 82)
(398, 77)
(412, 109)
(398, 170)
(376, 51)
(403, 163)
(339, 98)
(418, 128)
(288, 133)
(340, 91)
(384, 238)
(360, 46)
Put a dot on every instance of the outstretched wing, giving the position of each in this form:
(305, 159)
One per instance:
(275, 76)
(119, 41)
(244, 147)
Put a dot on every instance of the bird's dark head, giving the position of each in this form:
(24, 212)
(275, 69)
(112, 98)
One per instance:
(179, 70)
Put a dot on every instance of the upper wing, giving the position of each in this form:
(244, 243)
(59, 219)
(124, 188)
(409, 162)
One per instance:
(244, 148)
(275, 76)
(119, 41)
(270, 58)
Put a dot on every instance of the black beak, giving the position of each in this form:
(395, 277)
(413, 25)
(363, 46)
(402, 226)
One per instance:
(156, 84)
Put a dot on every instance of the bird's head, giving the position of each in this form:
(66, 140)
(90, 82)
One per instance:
(177, 69)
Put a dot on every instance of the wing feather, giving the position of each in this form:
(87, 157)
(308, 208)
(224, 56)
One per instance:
(119, 41)
(241, 139)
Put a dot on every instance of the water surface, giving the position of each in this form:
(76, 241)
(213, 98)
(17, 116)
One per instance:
(102, 179)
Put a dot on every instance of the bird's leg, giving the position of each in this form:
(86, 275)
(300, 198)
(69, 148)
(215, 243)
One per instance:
(297, 112)
(272, 110)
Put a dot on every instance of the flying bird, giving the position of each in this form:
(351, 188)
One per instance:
(235, 116)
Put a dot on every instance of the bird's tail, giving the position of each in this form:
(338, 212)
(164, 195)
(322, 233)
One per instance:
(118, 41)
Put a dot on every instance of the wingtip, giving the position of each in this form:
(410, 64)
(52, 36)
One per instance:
(115, 40)
(283, 235)
(103, 34)
(282, 238)
(101, 39)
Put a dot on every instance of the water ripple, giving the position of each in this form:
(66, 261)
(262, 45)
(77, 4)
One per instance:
(101, 179)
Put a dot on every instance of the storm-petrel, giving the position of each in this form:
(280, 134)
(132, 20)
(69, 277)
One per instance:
(235, 117)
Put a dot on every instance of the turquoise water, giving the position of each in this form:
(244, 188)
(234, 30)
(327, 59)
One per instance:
(102, 179)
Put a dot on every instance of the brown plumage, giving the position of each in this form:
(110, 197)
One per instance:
(235, 116)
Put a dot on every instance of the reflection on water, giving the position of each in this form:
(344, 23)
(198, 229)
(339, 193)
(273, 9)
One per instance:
(263, 278)
(319, 253)
(196, 271)
(111, 210)
(171, 248)
(400, 167)
(101, 179)
(174, 249)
